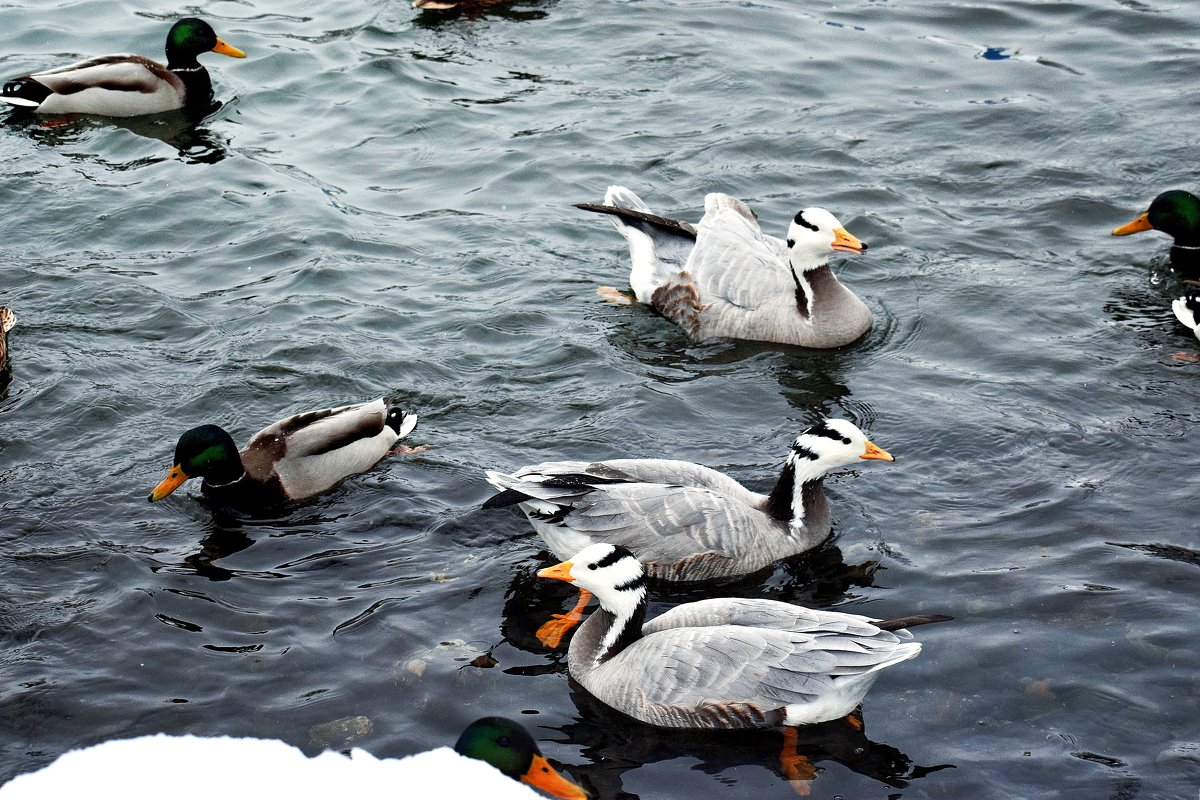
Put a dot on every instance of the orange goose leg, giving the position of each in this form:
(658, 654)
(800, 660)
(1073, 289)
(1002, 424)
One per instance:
(553, 630)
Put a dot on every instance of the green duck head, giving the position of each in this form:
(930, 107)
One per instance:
(508, 747)
(1175, 212)
(190, 37)
(204, 452)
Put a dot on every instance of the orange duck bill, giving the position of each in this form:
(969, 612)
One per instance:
(543, 776)
(1137, 225)
(175, 478)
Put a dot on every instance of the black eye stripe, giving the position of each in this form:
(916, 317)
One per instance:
(800, 220)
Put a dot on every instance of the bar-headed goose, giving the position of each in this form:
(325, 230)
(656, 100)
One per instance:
(725, 278)
(125, 85)
(722, 663)
(686, 522)
(293, 459)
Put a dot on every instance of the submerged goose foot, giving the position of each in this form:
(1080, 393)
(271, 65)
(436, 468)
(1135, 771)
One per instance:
(798, 770)
(612, 294)
(405, 450)
(854, 719)
(1191, 358)
(555, 628)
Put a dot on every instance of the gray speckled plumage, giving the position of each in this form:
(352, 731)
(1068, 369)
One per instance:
(725, 278)
(686, 522)
(722, 663)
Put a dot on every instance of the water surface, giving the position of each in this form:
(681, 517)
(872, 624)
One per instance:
(382, 203)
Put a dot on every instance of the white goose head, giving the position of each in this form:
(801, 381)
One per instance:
(608, 571)
(832, 443)
(829, 444)
(814, 234)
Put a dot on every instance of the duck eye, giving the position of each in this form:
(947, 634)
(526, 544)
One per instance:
(845, 440)
(591, 566)
(791, 243)
(813, 456)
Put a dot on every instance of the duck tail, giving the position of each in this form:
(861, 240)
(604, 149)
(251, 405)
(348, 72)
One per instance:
(399, 420)
(24, 92)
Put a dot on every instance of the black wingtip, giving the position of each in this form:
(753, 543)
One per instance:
(509, 497)
(911, 622)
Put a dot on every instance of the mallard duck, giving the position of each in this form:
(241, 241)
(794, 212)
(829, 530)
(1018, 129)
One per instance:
(1187, 311)
(126, 85)
(687, 522)
(293, 459)
(1176, 213)
(149, 767)
(725, 278)
(725, 662)
(7, 320)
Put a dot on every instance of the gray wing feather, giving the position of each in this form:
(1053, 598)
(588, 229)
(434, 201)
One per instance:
(733, 260)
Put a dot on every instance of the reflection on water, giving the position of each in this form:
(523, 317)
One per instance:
(615, 744)
(180, 129)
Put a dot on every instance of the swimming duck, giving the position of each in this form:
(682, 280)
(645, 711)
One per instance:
(725, 662)
(126, 85)
(686, 522)
(1187, 311)
(140, 768)
(508, 747)
(725, 278)
(1176, 213)
(293, 459)
(7, 320)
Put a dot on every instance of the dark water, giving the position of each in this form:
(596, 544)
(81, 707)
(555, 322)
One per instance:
(383, 204)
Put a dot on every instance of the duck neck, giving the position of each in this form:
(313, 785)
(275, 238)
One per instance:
(624, 614)
(799, 488)
(194, 76)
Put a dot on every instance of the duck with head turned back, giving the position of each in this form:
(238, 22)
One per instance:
(126, 85)
(293, 459)
(687, 522)
(725, 278)
(1176, 213)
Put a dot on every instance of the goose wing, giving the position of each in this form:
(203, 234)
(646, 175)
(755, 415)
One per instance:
(674, 515)
(734, 262)
(735, 675)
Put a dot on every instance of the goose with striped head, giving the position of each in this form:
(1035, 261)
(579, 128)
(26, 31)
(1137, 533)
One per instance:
(724, 663)
(294, 459)
(725, 278)
(126, 85)
(687, 522)
(1177, 214)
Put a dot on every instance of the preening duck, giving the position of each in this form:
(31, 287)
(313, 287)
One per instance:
(140, 768)
(1176, 213)
(293, 459)
(725, 278)
(126, 85)
(722, 663)
(687, 522)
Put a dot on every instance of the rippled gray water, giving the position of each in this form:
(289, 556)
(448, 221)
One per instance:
(383, 204)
